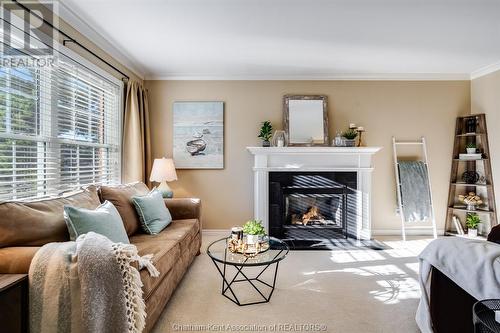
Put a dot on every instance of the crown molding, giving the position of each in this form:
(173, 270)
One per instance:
(105, 44)
(485, 70)
(329, 77)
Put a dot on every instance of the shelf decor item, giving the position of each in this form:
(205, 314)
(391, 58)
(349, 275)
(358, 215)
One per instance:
(471, 124)
(471, 129)
(266, 132)
(471, 148)
(472, 200)
(350, 137)
(253, 231)
(470, 177)
(163, 171)
(198, 135)
(279, 139)
(472, 222)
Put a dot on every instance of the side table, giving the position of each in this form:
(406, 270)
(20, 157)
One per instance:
(484, 316)
(14, 302)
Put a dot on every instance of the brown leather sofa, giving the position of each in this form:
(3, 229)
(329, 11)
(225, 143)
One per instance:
(26, 226)
(450, 305)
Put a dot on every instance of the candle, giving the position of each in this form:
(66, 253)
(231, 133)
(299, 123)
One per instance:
(361, 128)
(280, 142)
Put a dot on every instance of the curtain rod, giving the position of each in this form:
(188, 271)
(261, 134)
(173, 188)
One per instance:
(72, 40)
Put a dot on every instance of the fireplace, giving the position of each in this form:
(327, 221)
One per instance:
(352, 169)
(310, 209)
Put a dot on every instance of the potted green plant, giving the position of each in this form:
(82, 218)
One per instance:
(253, 230)
(266, 132)
(471, 148)
(472, 221)
(350, 137)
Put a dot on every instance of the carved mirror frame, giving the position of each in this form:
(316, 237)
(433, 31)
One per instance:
(286, 118)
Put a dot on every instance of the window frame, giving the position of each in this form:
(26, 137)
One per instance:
(46, 138)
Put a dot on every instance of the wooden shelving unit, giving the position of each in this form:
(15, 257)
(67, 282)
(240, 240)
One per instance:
(484, 187)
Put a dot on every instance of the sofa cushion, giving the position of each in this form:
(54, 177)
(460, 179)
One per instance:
(121, 197)
(40, 222)
(182, 231)
(104, 220)
(165, 253)
(153, 213)
(167, 248)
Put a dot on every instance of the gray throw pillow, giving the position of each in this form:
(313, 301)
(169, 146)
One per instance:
(153, 213)
(104, 220)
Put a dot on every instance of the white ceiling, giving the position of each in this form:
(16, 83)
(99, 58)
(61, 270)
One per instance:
(294, 39)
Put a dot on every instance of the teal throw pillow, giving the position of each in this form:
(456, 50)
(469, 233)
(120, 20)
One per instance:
(153, 213)
(104, 220)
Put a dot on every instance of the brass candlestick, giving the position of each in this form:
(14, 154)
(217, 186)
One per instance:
(360, 131)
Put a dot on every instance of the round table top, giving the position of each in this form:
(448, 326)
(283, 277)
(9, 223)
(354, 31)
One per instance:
(218, 251)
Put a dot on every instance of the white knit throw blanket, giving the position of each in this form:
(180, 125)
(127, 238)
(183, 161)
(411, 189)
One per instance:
(87, 286)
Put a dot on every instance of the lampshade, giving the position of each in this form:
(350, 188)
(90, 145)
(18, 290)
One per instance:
(163, 170)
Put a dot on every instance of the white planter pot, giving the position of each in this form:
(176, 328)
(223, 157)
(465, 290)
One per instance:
(472, 233)
(253, 239)
(471, 150)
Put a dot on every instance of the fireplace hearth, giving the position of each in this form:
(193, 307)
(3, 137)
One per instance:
(309, 210)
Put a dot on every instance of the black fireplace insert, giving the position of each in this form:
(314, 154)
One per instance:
(310, 209)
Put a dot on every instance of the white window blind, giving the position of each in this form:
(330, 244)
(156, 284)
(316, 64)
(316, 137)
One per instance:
(60, 126)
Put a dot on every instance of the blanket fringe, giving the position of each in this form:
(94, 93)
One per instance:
(136, 308)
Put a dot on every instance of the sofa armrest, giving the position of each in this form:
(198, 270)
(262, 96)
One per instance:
(494, 235)
(184, 208)
(16, 260)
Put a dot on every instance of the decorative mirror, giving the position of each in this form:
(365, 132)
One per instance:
(305, 120)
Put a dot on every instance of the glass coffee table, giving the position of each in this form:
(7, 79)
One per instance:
(249, 270)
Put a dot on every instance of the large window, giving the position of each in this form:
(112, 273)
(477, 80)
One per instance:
(60, 127)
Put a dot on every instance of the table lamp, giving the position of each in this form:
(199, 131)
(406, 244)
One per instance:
(163, 171)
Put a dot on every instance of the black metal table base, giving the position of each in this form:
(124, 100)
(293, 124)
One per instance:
(228, 283)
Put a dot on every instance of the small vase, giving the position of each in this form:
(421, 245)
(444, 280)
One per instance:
(471, 150)
(252, 239)
(472, 233)
(266, 143)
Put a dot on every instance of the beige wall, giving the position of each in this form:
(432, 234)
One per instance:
(485, 98)
(405, 109)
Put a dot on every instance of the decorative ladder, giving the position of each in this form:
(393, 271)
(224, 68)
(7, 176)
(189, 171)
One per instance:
(471, 130)
(432, 219)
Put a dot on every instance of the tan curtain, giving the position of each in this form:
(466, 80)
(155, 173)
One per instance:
(136, 157)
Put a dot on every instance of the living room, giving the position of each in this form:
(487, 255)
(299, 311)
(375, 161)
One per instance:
(215, 165)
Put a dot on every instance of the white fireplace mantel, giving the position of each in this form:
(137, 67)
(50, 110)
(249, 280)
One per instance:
(286, 159)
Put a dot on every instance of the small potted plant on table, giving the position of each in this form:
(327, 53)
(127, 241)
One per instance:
(254, 231)
(266, 132)
(350, 137)
(472, 221)
(471, 148)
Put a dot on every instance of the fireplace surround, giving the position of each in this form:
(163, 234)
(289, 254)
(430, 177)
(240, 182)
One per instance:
(349, 171)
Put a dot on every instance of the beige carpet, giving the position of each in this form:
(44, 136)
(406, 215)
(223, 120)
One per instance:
(358, 290)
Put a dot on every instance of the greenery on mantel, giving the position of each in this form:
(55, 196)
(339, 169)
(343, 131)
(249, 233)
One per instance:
(266, 131)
